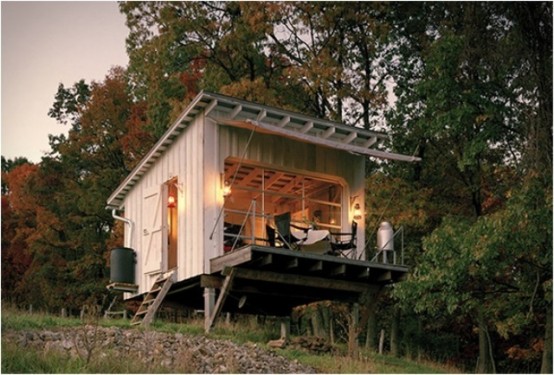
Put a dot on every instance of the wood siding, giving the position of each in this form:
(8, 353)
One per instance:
(183, 160)
(196, 158)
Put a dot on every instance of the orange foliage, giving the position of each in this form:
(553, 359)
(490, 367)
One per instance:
(17, 179)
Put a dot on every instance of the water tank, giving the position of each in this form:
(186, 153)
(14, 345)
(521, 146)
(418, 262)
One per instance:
(122, 265)
(385, 237)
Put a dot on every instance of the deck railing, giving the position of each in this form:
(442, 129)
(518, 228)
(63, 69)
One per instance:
(381, 256)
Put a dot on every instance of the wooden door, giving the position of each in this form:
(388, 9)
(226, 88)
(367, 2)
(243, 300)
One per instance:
(154, 231)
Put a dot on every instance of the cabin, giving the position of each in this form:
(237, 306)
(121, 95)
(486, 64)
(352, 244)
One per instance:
(243, 207)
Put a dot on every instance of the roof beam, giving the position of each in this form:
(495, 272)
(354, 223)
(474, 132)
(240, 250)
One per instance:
(261, 115)
(235, 111)
(329, 132)
(210, 107)
(370, 142)
(307, 127)
(350, 137)
(284, 121)
(276, 177)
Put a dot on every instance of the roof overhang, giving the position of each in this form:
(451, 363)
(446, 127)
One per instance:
(318, 139)
(228, 111)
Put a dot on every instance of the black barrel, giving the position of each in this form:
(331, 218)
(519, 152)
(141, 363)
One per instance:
(122, 265)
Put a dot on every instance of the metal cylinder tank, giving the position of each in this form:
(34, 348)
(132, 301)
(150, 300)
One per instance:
(122, 265)
(385, 237)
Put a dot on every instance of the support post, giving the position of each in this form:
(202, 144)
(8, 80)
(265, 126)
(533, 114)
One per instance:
(209, 301)
(353, 331)
(285, 329)
(222, 297)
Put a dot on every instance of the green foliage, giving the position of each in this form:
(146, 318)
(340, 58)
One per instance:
(473, 87)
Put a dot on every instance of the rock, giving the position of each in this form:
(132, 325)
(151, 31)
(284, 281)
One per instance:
(175, 352)
(280, 343)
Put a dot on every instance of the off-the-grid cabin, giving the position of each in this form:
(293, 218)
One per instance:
(250, 208)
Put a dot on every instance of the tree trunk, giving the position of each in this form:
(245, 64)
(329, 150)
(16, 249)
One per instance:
(485, 363)
(381, 341)
(370, 340)
(323, 313)
(546, 366)
(331, 332)
(394, 351)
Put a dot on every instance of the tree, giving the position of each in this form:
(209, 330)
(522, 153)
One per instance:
(66, 227)
(18, 222)
(325, 59)
(471, 103)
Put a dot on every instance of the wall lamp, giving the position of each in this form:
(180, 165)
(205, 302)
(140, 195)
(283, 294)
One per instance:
(225, 185)
(357, 212)
(356, 208)
(171, 203)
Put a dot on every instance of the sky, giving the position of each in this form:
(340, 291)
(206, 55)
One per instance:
(45, 44)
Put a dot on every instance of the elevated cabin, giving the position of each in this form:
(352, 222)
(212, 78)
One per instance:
(202, 202)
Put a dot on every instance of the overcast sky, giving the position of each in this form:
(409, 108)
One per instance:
(44, 44)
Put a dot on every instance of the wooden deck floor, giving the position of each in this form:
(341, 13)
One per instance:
(261, 258)
(272, 281)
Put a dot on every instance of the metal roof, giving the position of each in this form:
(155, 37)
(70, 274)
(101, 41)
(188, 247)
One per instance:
(234, 112)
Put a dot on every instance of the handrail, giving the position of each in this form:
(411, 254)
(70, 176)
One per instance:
(251, 209)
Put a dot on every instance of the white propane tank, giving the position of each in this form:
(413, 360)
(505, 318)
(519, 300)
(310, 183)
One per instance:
(385, 239)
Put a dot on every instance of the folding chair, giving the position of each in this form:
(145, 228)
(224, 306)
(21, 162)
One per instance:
(340, 245)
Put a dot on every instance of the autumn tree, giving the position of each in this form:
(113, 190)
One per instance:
(67, 227)
(18, 222)
(325, 59)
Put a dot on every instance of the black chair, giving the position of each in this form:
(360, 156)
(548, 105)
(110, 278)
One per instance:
(231, 237)
(270, 232)
(339, 245)
(283, 224)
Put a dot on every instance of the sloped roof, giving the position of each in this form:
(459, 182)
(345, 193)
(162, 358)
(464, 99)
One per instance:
(228, 111)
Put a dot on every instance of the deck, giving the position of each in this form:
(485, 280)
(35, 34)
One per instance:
(272, 281)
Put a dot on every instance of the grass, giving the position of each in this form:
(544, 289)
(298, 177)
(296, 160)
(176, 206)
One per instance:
(15, 360)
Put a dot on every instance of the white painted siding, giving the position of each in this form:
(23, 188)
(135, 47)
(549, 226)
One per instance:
(183, 160)
(197, 158)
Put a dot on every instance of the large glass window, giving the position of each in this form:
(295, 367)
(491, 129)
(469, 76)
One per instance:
(269, 192)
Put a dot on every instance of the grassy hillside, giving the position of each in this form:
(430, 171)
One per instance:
(33, 361)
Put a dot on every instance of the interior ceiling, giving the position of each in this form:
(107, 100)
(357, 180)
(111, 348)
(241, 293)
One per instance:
(280, 182)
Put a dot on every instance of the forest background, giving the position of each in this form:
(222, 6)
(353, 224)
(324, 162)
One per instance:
(467, 87)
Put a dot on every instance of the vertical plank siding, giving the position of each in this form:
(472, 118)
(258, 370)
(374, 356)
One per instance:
(197, 158)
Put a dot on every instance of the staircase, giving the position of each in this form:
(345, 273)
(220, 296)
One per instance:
(152, 300)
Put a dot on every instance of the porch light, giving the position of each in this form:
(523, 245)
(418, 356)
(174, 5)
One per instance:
(357, 212)
(226, 188)
(171, 202)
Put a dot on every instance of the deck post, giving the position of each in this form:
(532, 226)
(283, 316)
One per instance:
(209, 302)
(285, 328)
(353, 332)
(223, 293)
